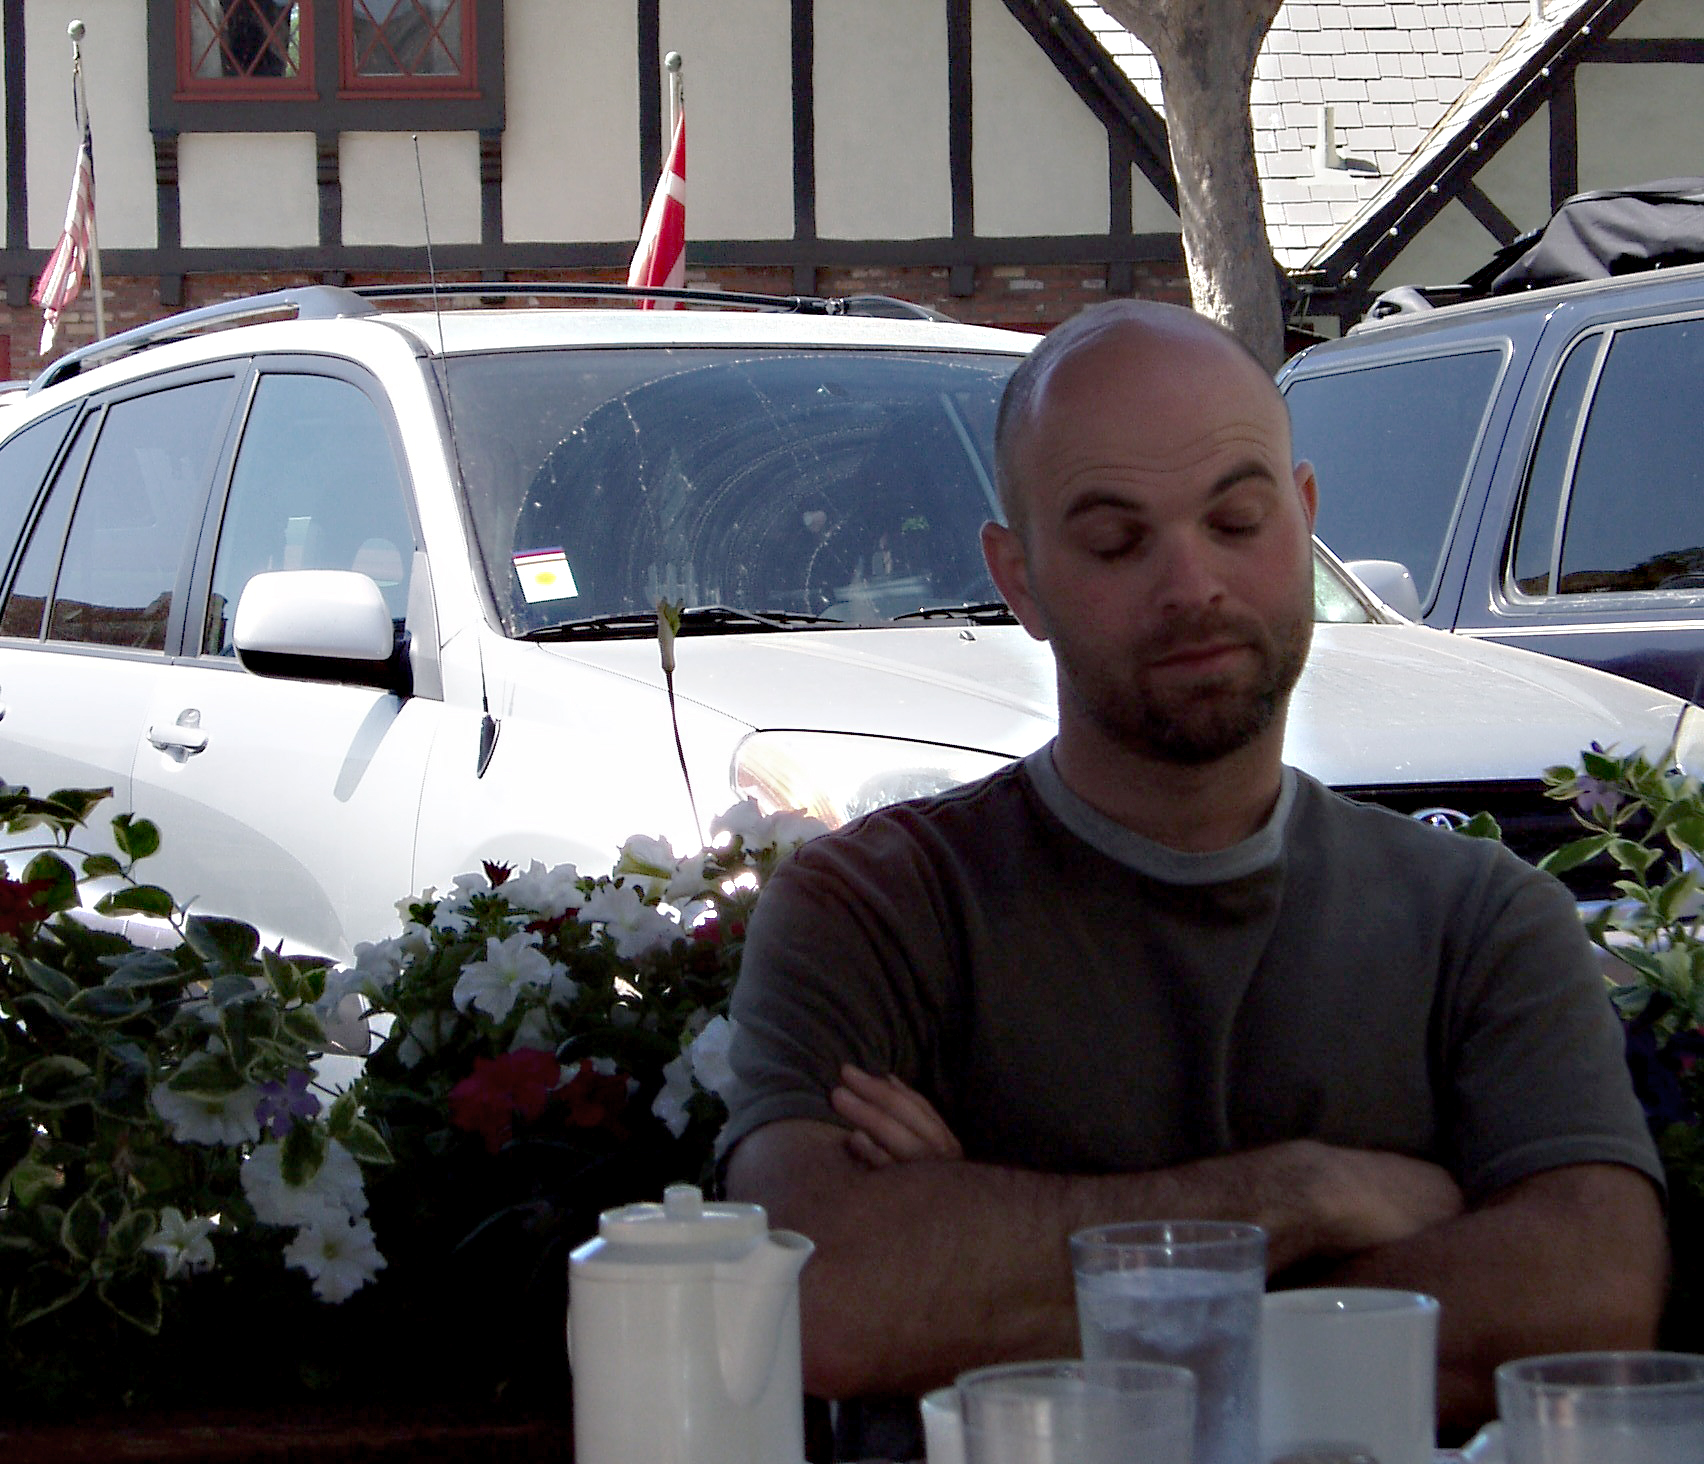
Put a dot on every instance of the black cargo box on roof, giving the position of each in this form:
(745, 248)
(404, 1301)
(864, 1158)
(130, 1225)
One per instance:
(1613, 231)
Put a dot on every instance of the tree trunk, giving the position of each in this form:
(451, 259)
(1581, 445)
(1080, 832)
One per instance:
(1206, 51)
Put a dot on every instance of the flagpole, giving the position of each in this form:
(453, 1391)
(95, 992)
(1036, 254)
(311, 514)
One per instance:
(80, 104)
(672, 64)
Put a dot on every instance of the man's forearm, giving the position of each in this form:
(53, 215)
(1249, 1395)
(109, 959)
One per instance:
(1573, 1259)
(926, 1268)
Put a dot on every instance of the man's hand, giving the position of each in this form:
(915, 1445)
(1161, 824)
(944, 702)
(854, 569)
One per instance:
(891, 1122)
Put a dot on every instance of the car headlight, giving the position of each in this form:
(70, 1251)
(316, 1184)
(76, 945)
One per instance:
(835, 776)
(1689, 742)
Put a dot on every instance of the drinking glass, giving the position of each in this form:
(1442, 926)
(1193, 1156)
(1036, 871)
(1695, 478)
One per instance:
(1185, 1292)
(1077, 1412)
(1354, 1366)
(1602, 1408)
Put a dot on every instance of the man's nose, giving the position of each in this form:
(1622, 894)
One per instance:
(1189, 572)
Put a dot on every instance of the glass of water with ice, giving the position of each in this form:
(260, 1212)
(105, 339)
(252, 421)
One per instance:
(1185, 1292)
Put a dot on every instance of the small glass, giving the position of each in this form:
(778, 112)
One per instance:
(1074, 1411)
(1188, 1293)
(1602, 1408)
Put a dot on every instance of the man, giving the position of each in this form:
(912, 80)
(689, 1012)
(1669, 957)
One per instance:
(1149, 972)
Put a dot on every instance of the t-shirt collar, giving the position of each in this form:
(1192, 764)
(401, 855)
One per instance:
(1258, 851)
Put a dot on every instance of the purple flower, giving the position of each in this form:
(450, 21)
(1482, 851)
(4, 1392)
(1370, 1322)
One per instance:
(281, 1104)
(1597, 795)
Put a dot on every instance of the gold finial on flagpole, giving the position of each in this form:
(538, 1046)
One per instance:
(76, 31)
(677, 94)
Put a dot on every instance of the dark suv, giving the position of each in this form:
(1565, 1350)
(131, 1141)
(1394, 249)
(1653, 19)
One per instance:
(1535, 462)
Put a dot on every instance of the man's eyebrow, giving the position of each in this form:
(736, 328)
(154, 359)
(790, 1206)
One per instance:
(1241, 473)
(1251, 471)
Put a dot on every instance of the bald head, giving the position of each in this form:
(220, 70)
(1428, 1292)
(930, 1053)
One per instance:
(1142, 328)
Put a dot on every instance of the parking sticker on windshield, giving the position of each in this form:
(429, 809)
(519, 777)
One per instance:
(545, 575)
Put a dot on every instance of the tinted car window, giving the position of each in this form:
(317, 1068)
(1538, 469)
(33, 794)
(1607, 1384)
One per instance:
(142, 495)
(24, 461)
(1636, 512)
(1391, 446)
(315, 486)
(26, 603)
(846, 484)
(1535, 537)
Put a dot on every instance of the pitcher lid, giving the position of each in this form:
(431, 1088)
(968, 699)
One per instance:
(683, 1219)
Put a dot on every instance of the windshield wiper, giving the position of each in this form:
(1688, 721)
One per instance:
(705, 619)
(988, 612)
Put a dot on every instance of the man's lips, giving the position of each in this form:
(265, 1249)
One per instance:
(1199, 655)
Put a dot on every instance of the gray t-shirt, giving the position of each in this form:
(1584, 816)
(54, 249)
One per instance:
(1074, 998)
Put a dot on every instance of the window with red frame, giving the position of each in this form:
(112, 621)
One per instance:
(245, 47)
(411, 47)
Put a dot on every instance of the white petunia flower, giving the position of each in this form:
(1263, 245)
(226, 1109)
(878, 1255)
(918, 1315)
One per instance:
(183, 1244)
(636, 928)
(743, 821)
(670, 1103)
(709, 1054)
(424, 1035)
(333, 1192)
(782, 831)
(195, 1118)
(646, 864)
(551, 892)
(510, 965)
(338, 1253)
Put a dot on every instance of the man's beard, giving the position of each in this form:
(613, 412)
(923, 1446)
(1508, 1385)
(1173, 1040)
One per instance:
(1198, 723)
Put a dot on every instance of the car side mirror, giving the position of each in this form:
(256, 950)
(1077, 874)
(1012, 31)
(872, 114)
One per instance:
(319, 625)
(1390, 580)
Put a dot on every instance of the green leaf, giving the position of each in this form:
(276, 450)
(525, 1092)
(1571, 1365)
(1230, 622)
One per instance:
(136, 838)
(99, 866)
(135, 1295)
(221, 942)
(129, 1233)
(57, 1081)
(1634, 856)
(206, 1075)
(304, 1025)
(48, 980)
(107, 1004)
(78, 803)
(31, 1180)
(137, 900)
(1687, 831)
(80, 1231)
(304, 1152)
(60, 879)
(366, 1143)
(285, 978)
(224, 991)
(146, 970)
(1570, 856)
(43, 1289)
(1482, 825)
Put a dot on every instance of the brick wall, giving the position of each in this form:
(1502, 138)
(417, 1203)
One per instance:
(1026, 297)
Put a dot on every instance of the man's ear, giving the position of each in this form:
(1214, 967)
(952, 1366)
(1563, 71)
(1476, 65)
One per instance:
(1004, 551)
(1308, 486)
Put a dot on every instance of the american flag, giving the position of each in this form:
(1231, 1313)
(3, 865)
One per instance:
(62, 280)
(660, 258)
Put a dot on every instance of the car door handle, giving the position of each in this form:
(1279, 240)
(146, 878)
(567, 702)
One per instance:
(178, 738)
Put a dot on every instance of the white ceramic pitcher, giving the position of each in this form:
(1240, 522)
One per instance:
(683, 1335)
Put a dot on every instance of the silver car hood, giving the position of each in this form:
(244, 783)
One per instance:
(1377, 704)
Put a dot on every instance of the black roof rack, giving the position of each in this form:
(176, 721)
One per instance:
(331, 302)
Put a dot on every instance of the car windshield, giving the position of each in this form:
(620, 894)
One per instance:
(769, 488)
(842, 485)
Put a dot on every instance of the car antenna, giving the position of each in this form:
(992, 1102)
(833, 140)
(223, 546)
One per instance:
(488, 725)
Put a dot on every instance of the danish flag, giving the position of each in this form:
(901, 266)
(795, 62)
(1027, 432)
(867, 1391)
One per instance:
(660, 258)
(62, 280)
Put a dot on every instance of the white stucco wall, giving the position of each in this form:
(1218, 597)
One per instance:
(1149, 213)
(1039, 159)
(1447, 250)
(1517, 179)
(1665, 19)
(115, 72)
(247, 188)
(571, 144)
(381, 187)
(1639, 132)
(882, 150)
(739, 109)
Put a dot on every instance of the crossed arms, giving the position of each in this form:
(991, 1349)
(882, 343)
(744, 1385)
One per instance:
(928, 1264)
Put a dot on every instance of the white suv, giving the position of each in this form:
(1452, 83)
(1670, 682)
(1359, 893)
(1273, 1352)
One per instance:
(350, 598)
